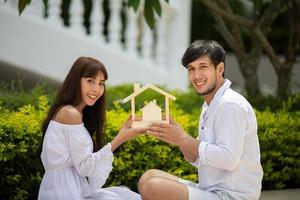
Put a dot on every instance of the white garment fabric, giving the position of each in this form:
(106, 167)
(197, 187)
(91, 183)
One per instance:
(195, 193)
(229, 154)
(72, 170)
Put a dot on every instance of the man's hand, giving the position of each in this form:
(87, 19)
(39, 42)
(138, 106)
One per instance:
(171, 133)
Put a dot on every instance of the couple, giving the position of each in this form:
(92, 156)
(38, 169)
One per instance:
(226, 151)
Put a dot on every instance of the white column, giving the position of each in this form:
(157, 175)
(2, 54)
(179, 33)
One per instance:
(178, 22)
(114, 25)
(36, 8)
(54, 12)
(76, 16)
(13, 3)
(131, 32)
(161, 45)
(97, 20)
(147, 40)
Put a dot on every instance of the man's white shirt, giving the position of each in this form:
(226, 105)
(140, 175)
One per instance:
(229, 154)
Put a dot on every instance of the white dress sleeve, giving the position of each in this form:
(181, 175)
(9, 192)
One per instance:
(101, 176)
(96, 166)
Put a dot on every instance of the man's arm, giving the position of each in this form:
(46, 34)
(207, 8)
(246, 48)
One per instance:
(174, 134)
(189, 148)
(230, 131)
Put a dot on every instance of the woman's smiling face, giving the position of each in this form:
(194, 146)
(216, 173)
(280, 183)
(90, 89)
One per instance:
(92, 88)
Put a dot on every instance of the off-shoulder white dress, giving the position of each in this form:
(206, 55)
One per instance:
(72, 170)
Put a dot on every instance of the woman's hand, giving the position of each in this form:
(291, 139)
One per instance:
(126, 133)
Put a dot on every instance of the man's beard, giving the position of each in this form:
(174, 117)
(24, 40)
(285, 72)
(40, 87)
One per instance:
(210, 89)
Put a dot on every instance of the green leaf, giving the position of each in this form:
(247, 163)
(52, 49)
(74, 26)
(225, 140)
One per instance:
(22, 5)
(156, 6)
(150, 7)
(257, 5)
(45, 2)
(134, 4)
(149, 13)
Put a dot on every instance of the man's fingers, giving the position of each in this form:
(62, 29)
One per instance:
(154, 133)
(155, 129)
(161, 125)
(140, 130)
(158, 135)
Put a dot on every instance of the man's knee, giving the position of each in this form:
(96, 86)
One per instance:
(157, 188)
(151, 173)
(147, 176)
(151, 187)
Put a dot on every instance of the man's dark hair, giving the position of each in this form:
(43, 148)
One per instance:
(204, 47)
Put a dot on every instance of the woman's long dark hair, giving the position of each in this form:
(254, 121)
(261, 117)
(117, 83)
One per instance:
(70, 94)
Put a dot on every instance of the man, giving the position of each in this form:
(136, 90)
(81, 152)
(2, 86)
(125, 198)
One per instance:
(226, 151)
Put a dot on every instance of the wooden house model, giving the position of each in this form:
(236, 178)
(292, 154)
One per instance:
(151, 112)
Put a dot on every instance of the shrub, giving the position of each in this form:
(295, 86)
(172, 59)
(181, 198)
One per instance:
(13, 95)
(261, 103)
(20, 134)
(279, 135)
(187, 101)
(146, 152)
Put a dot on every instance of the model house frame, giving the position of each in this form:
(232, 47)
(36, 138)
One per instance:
(151, 111)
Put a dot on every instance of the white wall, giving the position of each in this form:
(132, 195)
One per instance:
(36, 46)
(48, 49)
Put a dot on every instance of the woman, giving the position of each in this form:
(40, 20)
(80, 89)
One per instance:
(72, 130)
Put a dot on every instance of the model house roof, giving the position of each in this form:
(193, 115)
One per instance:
(148, 86)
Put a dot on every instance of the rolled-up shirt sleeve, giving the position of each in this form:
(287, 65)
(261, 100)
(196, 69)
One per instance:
(201, 158)
(230, 130)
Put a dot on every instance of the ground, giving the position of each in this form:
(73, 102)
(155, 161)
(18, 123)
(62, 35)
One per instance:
(289, 194)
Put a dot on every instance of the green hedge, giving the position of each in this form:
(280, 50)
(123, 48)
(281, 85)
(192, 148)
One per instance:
(20, 133)
(146, 152)
(187, 101)
(279, 135)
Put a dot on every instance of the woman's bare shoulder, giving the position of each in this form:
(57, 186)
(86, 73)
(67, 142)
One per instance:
(68, 115)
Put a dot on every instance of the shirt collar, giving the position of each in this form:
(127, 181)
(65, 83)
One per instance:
(218, 94)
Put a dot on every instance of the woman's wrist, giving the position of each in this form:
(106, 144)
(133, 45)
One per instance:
(116, 142)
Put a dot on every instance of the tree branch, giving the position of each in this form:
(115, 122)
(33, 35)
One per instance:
(271, 13)
(234, 18)
(256, 49)
(223, 30)
(294, 34)
(233, 27)
(268, 48)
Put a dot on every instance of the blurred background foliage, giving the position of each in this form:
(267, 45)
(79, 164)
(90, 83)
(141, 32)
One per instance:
(250, 29)
(22, 112)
